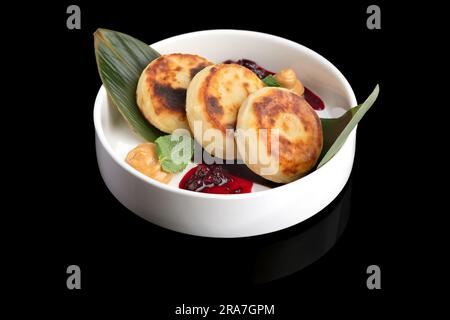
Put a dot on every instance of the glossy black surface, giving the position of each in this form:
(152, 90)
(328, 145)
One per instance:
(67, 216)
(183, 260)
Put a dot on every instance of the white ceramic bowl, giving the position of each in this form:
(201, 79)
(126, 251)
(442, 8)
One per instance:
(238, 215)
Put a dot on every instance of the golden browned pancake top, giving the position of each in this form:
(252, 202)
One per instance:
(167, 79)
(300, 139)
(222, 93)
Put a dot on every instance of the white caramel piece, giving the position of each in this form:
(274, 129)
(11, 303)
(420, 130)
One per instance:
(145, 160)
(288, 79)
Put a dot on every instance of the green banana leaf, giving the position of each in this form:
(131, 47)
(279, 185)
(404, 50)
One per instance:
(120, 61)
(122, 58)
(336, 130)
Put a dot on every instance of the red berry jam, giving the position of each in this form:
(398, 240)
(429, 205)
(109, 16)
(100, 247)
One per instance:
(253, 66)
(313, 99)
(214, 179)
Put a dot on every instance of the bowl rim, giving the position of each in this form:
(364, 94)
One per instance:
(102, 96)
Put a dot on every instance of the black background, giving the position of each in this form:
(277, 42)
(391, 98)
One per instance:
(75, 220)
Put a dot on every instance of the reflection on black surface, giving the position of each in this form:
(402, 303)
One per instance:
(306, 244)
(191, 260)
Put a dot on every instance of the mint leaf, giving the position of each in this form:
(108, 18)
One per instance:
(174, 152)
(270, 81)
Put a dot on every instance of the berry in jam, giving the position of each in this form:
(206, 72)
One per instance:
(214, 179)
(253, 66)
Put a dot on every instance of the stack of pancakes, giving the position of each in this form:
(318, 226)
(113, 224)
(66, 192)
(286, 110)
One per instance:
(222, 105)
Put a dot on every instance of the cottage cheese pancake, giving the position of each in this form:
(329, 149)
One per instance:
(161, 91)
(212, 103)
(299, 132)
